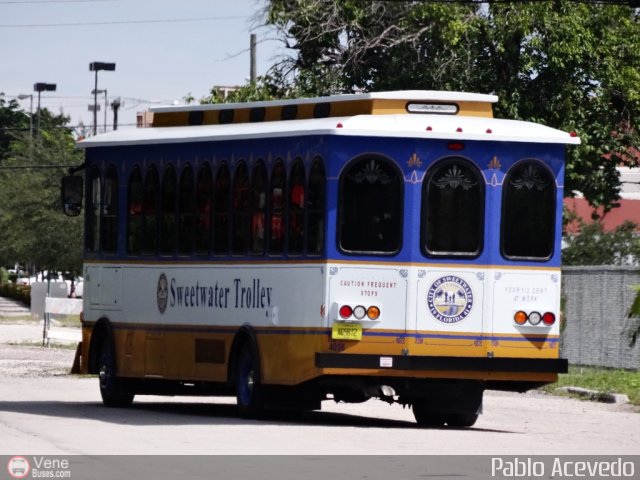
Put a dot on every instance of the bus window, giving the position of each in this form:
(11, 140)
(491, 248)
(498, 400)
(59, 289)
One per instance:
(221, 209)
(278, 192)
(316, 209)
(296, 208)
(528, 211)
(240, 210)
(109, 220)
(187, 212)
(258, 208)
(94, 200)
(168, 200)
(370, 206)
(453, 209)
(150, 211)
(204, 200)
(134, 213)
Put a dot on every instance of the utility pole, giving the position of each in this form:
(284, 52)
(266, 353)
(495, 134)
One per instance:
(115, 106)
(252, 50)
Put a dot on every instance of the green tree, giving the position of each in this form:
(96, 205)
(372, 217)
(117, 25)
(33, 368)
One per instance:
(593, 245)
(12, 121)
(573, 66)
(32, 227)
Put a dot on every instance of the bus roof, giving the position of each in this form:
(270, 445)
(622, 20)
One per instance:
(413, 114)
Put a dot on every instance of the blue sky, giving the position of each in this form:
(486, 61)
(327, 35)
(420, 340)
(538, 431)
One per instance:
(161, 53)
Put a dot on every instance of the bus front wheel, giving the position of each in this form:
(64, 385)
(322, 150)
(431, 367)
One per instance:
(112, 390)
(249, 391)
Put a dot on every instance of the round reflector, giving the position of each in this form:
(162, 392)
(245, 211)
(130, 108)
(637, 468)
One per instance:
(549, 318)
(535, 318)
(346, 311)
(359, 312)
(373, 312)
(520, 317)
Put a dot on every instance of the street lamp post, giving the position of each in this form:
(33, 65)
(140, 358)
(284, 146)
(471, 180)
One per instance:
(42, 87)
(96, 67)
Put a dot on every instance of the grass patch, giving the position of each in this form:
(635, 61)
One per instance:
(65, 320)
(601, 379)
(38, 343)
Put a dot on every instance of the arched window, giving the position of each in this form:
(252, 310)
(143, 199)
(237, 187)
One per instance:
(240, 201)
(258, 208)
(168, 204)
(187, 212)
(109, 219)
(204, 209)
(135, 234)
(296, 208)
(150, 211)
(316, 208)
(453, 209)
(221, 223)
(277, 197)
(370, 206)
(528, 211)
(94, 201)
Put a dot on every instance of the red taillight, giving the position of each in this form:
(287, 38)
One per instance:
(549, 319)
(346, 311)
(456, 146)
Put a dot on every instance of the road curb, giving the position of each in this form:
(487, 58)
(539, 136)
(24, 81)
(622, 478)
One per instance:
(595, 395)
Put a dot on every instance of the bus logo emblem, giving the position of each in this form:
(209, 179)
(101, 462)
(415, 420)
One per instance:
(450, 299)
(162, 293)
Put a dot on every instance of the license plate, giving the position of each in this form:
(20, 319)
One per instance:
(346, 331)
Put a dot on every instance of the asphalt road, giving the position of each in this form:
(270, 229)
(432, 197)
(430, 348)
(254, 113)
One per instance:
(43, 410)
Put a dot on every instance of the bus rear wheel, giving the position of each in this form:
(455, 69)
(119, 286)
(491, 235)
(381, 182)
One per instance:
(425, 417)
(249, 391)
(462, 420)
(112, 390)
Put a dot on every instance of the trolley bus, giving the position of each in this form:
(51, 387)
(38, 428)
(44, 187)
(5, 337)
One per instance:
(395, 245)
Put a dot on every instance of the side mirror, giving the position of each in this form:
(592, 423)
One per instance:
(71, 190)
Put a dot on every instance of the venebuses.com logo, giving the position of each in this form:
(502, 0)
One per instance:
(18, 467)
(38, 467)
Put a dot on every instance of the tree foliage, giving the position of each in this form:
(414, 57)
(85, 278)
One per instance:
(593, 245)
(32, 227)
(572, 66)
(12, 121)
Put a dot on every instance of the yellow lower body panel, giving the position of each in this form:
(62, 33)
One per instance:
(288, 354)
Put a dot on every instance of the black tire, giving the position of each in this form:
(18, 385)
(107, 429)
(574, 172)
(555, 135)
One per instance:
(462, 420)
(425, 416)
(249, 391)
(112, 390)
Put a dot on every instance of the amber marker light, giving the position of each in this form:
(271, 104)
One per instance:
(520, 317)
(373, 312)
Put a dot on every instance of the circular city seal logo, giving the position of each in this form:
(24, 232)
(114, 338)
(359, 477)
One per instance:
(162, 292)
(18, 467)
(450, 299)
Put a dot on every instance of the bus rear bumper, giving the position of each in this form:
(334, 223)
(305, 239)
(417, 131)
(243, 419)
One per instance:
(447, 364)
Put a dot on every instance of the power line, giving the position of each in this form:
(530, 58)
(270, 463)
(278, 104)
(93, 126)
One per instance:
(123, 22)
(21, 2)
